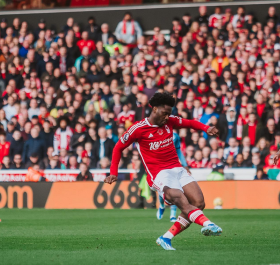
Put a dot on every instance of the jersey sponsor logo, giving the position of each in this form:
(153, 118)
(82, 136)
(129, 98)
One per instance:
(160, 131)
(160, 144)
(150, 136)
(167, 129)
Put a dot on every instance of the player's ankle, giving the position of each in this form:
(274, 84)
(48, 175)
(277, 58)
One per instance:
(206, 223)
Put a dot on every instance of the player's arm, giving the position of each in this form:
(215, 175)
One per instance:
(179, 123)
(126, 140)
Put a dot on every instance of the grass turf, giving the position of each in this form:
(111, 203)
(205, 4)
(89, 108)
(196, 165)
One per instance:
(81, 237)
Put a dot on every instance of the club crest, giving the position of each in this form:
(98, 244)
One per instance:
(167, 129)
(160, 131)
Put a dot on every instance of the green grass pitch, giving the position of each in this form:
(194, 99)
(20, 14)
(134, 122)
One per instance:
(40, 236)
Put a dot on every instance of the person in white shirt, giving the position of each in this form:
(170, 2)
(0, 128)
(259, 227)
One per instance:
(128, 30)
(10, 108)
(33, 110)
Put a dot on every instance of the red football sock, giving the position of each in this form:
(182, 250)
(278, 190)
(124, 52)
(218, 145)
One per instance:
(197, 216)
(179, 226)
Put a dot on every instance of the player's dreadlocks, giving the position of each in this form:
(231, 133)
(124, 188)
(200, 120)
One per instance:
(160, 99)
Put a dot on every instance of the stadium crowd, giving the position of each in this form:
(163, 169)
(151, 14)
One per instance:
(68, 97)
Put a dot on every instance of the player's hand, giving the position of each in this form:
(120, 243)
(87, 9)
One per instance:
(111, 179)
(188, 170)
(213, 131)
(276, 158)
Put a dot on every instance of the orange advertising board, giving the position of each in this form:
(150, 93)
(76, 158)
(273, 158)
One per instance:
(124, 195)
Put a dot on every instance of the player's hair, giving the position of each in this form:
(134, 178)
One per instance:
(161, 99)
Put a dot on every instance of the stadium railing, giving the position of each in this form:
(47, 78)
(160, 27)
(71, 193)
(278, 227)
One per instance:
(100, 174)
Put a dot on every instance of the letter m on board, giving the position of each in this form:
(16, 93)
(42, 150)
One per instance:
(19, 191)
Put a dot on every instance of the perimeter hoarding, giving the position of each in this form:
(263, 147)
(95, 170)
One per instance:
(124, 195)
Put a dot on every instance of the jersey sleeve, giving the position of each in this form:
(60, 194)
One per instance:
(178, 123)
(129, 137)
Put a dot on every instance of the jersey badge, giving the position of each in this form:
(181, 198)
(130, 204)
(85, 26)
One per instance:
(125, 137)
(167, 129)
(160, 131)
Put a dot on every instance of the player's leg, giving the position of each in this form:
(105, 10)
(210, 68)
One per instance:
(175, 196)
(173, 210)
(194, 194)
(195, 197)
(161, 208)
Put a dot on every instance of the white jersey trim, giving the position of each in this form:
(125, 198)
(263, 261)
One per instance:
(138, 148)
(146, 119)
(134, 127)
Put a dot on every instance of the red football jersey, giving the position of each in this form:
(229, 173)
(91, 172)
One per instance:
(123, 116)
(154, 143)
(4, 150)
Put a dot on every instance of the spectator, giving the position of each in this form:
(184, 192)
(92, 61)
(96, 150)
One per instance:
(62, 136)
(105, 34)
(85, 42)
(33, 174)
(214, 160)
(46, 160)
(78, 138)
(232, 149)
(92, 29)
(239, 161)
(256, 161)
(253, 129)
(4, 146)
(17, 162)
(17, 144)
(269, 131)
(128, 30)
(217, 173)
(72, 162)
(197, 163)
(3, 119)
(260, 174)
(126, 117)
(34, 159)
(54, 163)
(34, 145)
(230, 161)
(10, 108)
(103, 147)
(84, 175)
(228, 125)
(33, 110)
(47, 133)
(6, 162)
(149, 89)
(144, 110)
(220, 62)
(10, 131)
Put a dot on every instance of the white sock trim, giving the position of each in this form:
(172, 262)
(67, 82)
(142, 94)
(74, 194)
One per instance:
(183, 221)
(194, 215)
(168, 235)
(206, 223)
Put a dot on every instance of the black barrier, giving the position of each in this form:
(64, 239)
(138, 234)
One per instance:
(24, 194)
(148, 16)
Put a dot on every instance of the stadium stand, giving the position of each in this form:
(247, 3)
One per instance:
(67, 97)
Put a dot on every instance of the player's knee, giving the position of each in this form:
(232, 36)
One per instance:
(200, 205)
(178, 199)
